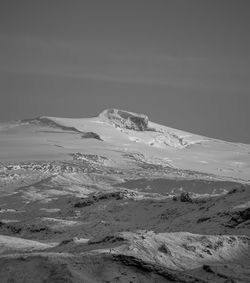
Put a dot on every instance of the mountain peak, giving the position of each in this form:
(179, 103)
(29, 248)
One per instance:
(125, 119)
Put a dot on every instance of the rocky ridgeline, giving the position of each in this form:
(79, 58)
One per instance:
(82, 163)
(125, 119)
(8, 177)
(52, 167)
(48, 122)
(140, 122)
(93, 159)
(113, 195)
(176, 257)
(26, 172)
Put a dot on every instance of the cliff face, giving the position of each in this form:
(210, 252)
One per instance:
(127, 120)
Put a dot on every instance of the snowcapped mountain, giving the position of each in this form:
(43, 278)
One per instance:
(118, 198)
(115, 132)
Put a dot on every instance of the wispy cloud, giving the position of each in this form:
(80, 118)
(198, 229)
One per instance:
(92, 60)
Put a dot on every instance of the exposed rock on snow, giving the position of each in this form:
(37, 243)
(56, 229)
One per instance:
(89, 157)
(125, 119)
(47, 121)
(139, 129)
(91, 135)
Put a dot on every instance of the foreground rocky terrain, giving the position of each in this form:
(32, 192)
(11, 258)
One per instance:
(117, 198)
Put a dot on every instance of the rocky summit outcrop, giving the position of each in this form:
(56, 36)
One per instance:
(125, 119)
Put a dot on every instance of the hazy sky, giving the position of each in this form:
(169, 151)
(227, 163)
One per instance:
(185, 64)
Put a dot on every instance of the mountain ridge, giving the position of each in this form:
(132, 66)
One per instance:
(117, 197)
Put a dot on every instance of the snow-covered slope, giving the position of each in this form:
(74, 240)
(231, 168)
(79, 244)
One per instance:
(115, 132)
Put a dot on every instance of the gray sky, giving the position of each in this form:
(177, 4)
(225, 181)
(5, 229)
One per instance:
(185, 64)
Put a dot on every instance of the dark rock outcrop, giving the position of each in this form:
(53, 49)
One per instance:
(91, 135)
(125, 119)
(48, 122)
(185, 197)
(168, 274)
(238, 217)
(113, 195)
